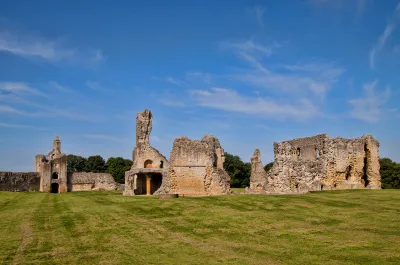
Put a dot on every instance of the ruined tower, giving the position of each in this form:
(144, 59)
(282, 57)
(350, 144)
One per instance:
(149, 165)
(52, 169)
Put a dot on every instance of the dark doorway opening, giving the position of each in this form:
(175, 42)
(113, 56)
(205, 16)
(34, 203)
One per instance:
(156, 181)
(140, 184)
(348, 172)
(365, 168)
(55, 175)
(54, 188)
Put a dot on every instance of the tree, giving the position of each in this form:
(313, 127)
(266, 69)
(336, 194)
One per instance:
(237, 170)
(390, 174)
(117, 166)
(268, 166)
(75, 163)
(95, 164)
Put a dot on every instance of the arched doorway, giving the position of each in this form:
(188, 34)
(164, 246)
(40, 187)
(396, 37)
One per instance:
(54, 188)
(55, 175)
(148, 163)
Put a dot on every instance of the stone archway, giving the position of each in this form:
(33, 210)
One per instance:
(54, 175)
(54, 188)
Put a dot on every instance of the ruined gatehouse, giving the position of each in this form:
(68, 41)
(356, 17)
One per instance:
(195, 167)
(52, 171)
(318, 163)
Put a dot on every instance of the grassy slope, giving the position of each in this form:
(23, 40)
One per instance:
(341, 227)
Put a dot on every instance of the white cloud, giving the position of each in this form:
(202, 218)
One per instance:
(49, 112)
(368, 108)
(19, 88)
(315, 77)
(95, 86)
(19, 126)
(229, 100)
(59, 87)
(171, 102)
(52, 50)
(389, 29)
(259, 14)
(106, 137)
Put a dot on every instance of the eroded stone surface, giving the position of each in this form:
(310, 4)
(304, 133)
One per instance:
(86, 181)
(319, 163)
(19, 181)
(196, 168)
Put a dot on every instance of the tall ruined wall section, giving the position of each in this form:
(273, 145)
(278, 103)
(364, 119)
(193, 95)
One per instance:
(19, 181)
(322, 163)
(87, 181)
(258, 177)
(144, 155)
(196, 168)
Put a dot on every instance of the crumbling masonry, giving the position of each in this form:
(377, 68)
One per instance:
(318, 163)
(195, 168)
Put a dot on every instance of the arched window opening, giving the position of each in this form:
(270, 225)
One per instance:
(322, 187)
(299, 155)
(317, 154)
(55, 175)
(148, 163)
(348, 172)
(161, 164)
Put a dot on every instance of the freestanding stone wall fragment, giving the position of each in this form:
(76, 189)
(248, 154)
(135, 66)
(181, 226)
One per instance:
(87, 181)
(19, 181)
(196, 168)
(319, 163)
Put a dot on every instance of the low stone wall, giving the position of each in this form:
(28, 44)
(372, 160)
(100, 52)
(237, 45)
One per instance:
(19, 181)
(86, 181)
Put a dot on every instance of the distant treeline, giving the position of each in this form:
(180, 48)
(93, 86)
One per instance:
(116, 166)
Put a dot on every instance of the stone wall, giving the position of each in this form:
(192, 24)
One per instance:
(86, 181)
(196, 168)
(319, 163)
(19, 181)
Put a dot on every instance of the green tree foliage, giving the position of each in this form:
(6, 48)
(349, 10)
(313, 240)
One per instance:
(95, 164)
(268, 166)
(390, 174)
(117, 166)
(75, 163)
(237, 170)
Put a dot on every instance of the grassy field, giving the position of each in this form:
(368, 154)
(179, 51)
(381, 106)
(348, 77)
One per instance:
(340, 227)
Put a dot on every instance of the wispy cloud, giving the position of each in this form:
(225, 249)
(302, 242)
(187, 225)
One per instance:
(315, 77)
(389, 29)
(171, 102)
(53, 50)
(20, 126)
(368, 108)
(230, 100)
(59, 87)
(49, 112)
(259, 10)
(106, 137)
(19, 88)
(95, 86)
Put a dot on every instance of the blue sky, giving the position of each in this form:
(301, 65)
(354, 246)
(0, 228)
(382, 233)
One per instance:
(249, 72)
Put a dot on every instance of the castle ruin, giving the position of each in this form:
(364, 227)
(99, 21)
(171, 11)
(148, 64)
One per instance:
(318, 163)
(195, 168)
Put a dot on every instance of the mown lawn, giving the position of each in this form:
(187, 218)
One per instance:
(340, 227)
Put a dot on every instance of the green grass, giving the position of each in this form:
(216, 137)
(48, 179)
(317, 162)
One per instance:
(338, 227)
